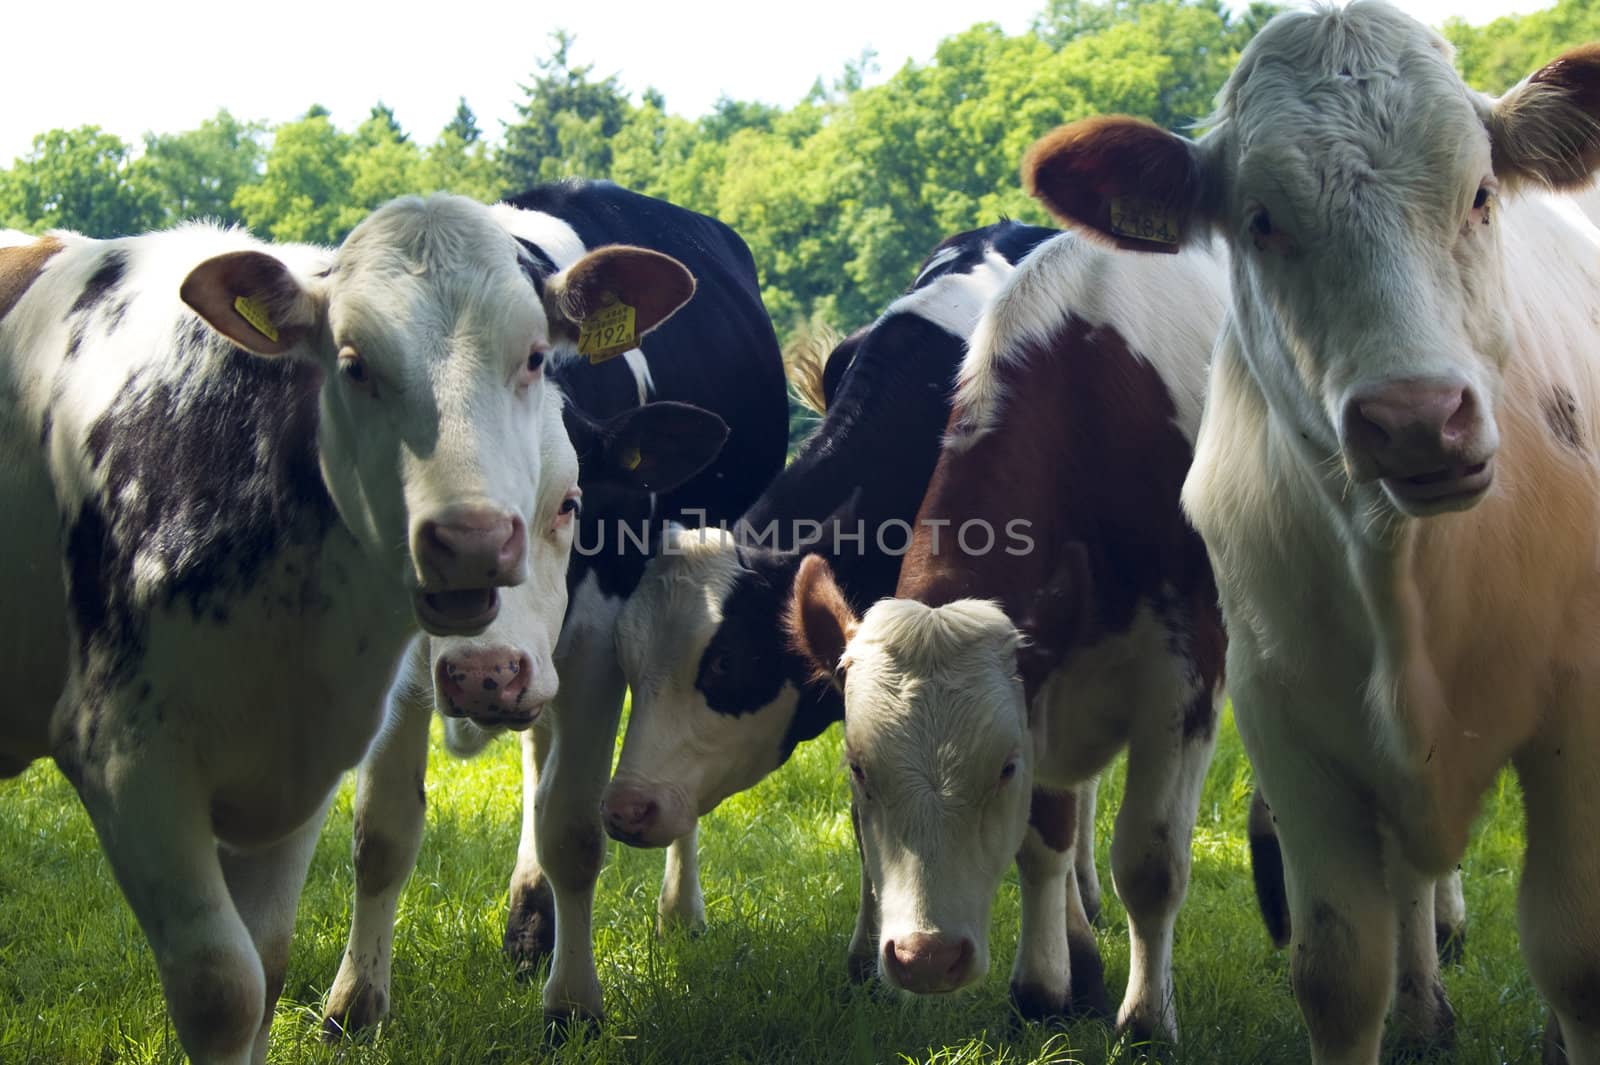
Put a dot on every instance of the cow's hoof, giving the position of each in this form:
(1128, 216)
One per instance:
(1554, 1051)
(1425, 1028)
(530, 928)
(353, 1013)
(669, 922)
(862, 968)
(1088, 978)
(1035, 1002)
(1452, 942)
(561, 1026)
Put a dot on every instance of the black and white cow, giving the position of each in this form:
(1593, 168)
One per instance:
(718, 353)
(236, 480)
(719, 698)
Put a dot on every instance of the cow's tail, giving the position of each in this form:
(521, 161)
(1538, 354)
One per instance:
(1266, 864)
(806, 359)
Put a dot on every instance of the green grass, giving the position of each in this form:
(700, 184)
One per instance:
(765, 983)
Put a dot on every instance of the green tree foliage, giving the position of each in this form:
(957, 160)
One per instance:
(464, 125)
(1497, 56)
(567, 121)
(197, 173)
(81, 179)
(304, 193)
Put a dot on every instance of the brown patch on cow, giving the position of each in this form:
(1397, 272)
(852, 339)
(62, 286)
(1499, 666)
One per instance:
(818, 618)
(1087, 453)
(1561, 413)
(1078, 170)
(20, 267)
(1054, 815)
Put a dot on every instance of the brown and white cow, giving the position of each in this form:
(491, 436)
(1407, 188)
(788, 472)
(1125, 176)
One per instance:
(237, 479)
(1398, 483)
(1072, 427)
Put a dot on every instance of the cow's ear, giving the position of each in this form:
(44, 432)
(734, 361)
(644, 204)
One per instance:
(251, 298)
(1547, 128)
(1055, 620)
(819, 619)
(653, 448)
(585, 297)
(1123, 179)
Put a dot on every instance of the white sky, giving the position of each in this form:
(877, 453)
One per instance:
(129, 67)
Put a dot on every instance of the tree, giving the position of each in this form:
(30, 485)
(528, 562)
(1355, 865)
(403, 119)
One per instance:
(80, 179)
(197, 173)
(464, 124)
(1497, 56)
(305, 190)
(567, 121)
(381, 125)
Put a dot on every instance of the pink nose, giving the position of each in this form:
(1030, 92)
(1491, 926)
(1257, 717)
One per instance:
(487, 686)
(927, 964)
(630, 814)
(1415, 427)
(471, 547)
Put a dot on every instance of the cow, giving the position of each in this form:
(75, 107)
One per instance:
(238, 478)
(638, 445)
(1396, 479)
(1053, 509)
(720, 699)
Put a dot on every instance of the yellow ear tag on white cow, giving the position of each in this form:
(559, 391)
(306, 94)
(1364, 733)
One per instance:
(254, 311)
(607, 332)
(1142, 219)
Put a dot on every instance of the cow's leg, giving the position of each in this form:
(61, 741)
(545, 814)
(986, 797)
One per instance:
(1423, 1019)
(570, 841)
(157, 837)
(681, 904)
(1167, 762)
(862, 961)
(1057, 968)
(1558, 906)
(389, 809)
(1083, 850)
(531, 923)
(1449, 918)
(265, 885)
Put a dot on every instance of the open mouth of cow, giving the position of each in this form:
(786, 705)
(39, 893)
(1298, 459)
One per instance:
(466, 612)
(1449, 487)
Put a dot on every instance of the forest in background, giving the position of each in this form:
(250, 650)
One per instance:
(839, 196)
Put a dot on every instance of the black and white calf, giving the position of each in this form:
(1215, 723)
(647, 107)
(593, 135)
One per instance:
(638, 443)
(311, 452)
(719, 697)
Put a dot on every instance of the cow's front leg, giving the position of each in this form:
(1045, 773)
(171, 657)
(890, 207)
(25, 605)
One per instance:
(570, 840)
(1423, 1019)
(681, 904)
(1058, 969)
(1083, 850)
(389, 815)
(861, 962)
(155, 826)
(1450, 918)
(1169, 750)
(1558, 905)
(266, 885)
(531, 921)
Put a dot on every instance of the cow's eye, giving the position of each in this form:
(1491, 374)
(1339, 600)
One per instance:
(1480, 199)
(1008, 770)
(570, 508)
(859, 776)
(352, 366)
(535, 360)
(1261, 224)
(572, 505)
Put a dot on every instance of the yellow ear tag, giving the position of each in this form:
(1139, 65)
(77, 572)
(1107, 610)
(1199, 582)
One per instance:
(631, 459)
(608, 332)
(254, 311)
(1142, 219)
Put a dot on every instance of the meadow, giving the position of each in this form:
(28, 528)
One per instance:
(764, 983)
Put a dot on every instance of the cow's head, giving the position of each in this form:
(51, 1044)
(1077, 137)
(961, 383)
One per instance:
(1359, 184)
(702, 643)
(441, 443)
(941, 765)
(502, 677)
